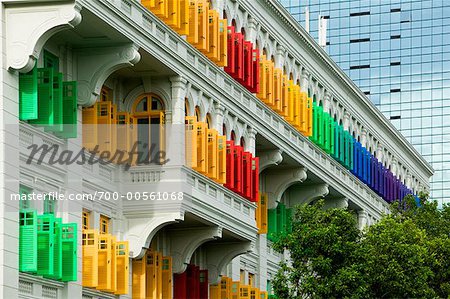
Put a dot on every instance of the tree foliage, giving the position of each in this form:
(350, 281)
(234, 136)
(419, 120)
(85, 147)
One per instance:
(404, 255)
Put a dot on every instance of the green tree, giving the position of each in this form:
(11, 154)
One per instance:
(404, 255)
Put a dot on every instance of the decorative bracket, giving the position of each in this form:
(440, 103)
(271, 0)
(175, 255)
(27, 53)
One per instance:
(269, 158)
(219, 255)
(307, 194)
(95, 65)
(277, 182)
(340, 203)
(29, 26)
(184, 242)
(142, 230)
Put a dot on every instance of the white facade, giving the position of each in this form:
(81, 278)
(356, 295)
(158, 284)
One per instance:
(120, 44)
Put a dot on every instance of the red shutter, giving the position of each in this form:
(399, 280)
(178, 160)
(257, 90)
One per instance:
(239, 56)
(180, 285)
(238, 167)
(255, 62)
(247, 175)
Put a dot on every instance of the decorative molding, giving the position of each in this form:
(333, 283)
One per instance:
(29, 26)
(307, 194)
(269, 158)
(184, 242)
(95, 65)
(219, 255)
(140, 231)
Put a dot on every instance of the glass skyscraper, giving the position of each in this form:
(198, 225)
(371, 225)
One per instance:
(398, 53)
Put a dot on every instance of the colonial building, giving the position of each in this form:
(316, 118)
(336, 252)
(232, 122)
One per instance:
(161, 145)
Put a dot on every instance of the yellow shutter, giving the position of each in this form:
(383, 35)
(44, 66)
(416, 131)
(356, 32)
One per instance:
(225, 287)
(90, 258)
(161, 8)
(167, 277)
(123, 134)
(104, 262)
(122, 262)
(90, 127)
(270, 84)
(191, 141)
(262, 204)
(278, 83)
(309, 112)
(113, 288)
(304, 113)
(202, 149)
(151, 290)
(149, 4)
(244, 292)
(174, 16)
(214, 292)
(297, 107)
(212, 154)
(158, 259)
(104, 128)
(235, 290)
(254, 293)
(285, 96)
(162, 135)
(193, 22)
(222, 157)
(263, 68)
(138, 283)
(291, 102)
(223, 44)
(213, 24)
(203, 30)
(184, 18)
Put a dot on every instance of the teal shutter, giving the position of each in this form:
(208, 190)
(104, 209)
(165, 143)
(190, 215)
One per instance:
(320, 117)
(69, 110)
(327, 124)
(57, 249)
(45, 97)
(69, 252)
(272, 228)
(341, 145)
(45, 244)
(57, 104)
(28, 241)
(28, 95)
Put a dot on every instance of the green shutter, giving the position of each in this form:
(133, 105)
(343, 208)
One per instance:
(57, 250)
(45, 97)
(281, 218)
(332, 136)
(289, 220)
(341, 145)
(320, 118)
(51, 61)
(28, 95)
(327, 130)
(57, 104)
(28, 241)
(352, 144)
(45, 237)
(69, 252)
(272, 228)
(69, 110)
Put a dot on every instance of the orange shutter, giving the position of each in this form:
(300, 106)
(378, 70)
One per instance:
(90, 258)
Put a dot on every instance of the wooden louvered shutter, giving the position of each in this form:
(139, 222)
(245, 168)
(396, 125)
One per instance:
(45, 97)
(212, 153)
(139, 278)
(28, 240)
(123, 268)
(104, 262)
(167, 277)
(69, 252)
(90, 258)
(69, 110)
(113, 276)
(191, 141)
(28, 95)
(57, 104)
(57, 249)
(90, 132)
(46, 224)
(222, 160)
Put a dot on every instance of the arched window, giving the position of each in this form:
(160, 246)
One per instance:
(148, 109)
(243, 141)
(197, 113)
(224, 130)
(233, 136)
(209, 121)
(186, 107)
